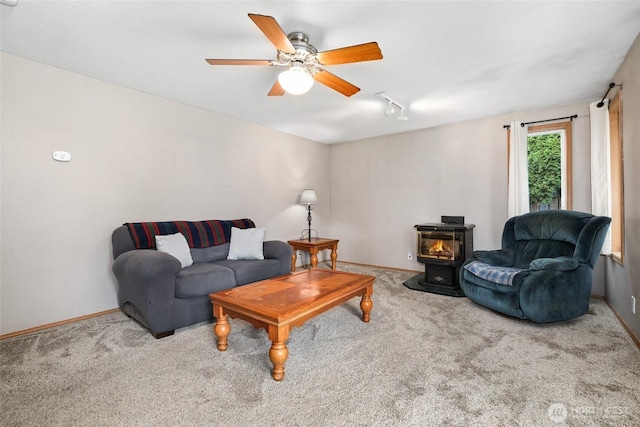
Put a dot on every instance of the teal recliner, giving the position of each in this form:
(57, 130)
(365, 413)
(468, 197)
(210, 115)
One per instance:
(545, 267)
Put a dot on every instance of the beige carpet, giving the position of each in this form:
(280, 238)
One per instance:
(423, 360)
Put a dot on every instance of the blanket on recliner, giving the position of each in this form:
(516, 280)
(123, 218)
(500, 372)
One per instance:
(493, 273)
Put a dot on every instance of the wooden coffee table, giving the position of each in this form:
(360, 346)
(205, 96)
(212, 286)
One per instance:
(277, 305)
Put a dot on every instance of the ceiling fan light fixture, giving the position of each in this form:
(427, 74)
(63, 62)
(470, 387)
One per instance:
(296, 80)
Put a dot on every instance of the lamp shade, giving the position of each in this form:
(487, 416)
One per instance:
(296, 80)
(308, 197)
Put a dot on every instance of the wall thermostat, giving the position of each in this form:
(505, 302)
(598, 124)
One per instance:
(61, 156)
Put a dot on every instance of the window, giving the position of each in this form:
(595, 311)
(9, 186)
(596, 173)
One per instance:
(617, 178)
(549, 162)
(549, 155)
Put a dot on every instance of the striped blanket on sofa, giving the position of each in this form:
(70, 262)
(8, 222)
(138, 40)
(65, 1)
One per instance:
(199, 234)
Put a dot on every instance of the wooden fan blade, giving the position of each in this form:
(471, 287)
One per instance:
(239, 62)
(345, 55)
(270, 27)
(276, 89)
(336, 83)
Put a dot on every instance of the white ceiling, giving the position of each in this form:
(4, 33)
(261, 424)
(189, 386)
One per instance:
(445, 61)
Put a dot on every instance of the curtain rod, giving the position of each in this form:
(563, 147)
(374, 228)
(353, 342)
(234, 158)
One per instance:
(601, 103)
(540, 121)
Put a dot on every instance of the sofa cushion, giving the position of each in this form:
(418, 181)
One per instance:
(246, 244)
(252, 271)
(176, 246)
(203, 279)
(212, 253)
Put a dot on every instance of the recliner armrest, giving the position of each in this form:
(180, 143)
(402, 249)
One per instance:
(500, 257)
(561, 263)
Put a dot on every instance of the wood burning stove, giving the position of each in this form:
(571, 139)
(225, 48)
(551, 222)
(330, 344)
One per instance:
(442, 248)
(438, 244)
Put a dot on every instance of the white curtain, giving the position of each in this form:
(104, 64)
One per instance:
(518, 196)
(564, 181)
(601, 165)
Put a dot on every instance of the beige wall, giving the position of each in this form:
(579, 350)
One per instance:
(135, 157)
(401, 180)
(623, 281)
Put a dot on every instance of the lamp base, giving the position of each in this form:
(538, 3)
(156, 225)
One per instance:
(309, 234)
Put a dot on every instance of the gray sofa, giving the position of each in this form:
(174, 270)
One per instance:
(155, 290)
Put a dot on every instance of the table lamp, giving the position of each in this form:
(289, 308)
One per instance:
(308, 197)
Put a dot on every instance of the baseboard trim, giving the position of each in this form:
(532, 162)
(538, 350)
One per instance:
(626, 327)
(381, 266)
(54, 324)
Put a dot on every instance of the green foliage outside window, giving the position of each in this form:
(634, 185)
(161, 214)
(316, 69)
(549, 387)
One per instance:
(545, 173)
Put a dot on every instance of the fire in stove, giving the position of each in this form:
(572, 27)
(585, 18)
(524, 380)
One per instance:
(440, 249)
(439, 245)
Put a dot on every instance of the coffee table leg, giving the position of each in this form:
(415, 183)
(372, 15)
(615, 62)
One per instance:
(221, 329)
(278, 353)
(366, 304)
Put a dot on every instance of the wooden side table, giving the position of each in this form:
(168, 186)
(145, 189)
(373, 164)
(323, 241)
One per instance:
(316, 244)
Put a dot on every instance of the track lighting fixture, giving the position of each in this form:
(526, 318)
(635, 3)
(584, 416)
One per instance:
(390, 110)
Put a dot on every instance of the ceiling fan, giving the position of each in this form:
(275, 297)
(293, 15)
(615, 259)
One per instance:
(303, 61)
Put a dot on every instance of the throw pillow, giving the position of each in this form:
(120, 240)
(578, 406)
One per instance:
(246, 243)
(175, 245)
